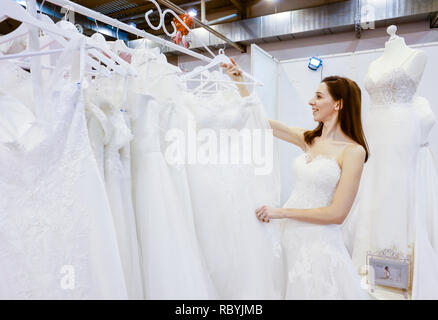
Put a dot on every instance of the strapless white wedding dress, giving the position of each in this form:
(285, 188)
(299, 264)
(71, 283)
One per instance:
(384, 214)
(317, 262)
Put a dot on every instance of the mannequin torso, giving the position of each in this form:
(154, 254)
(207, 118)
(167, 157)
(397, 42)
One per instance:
(398, 55)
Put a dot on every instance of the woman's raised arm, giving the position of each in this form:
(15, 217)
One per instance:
(290, 134)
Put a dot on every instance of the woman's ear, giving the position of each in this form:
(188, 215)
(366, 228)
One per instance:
(340, 104)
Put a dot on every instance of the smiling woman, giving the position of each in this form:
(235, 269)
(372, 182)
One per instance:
(327, 179)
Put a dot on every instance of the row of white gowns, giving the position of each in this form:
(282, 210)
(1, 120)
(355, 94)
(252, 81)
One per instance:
(58, 238)
(92, 209)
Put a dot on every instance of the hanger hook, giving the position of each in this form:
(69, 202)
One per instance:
(97, 27)
(160, 13)
(66, 13)
(41, 6)
(185, 26)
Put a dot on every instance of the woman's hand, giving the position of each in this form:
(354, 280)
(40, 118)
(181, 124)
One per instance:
(236, 74)
(265, 213)
(233, 70)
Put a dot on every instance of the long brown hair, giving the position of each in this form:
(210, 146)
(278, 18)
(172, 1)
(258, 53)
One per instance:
(350, 118)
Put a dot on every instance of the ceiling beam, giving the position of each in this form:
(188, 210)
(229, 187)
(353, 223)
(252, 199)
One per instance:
(241, 6)
(237, 4)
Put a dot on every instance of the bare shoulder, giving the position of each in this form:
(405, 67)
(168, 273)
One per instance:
(354, 152)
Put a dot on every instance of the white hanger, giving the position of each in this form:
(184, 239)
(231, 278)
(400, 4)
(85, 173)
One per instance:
(13, 10)
(221, 58)
(100, 39)
(93, 44)
(161, 24)
(120, 46)
(17, 33)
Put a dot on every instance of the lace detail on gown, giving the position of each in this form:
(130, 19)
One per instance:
(45, 215)
(317, 263)
(393, 86)
(315, 186)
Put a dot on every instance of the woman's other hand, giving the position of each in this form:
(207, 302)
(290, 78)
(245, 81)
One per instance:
(265, 213)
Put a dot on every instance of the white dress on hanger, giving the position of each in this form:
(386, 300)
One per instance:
(58, 237)
(318, 265)
(109, 135)
(98, 132)
(116, 176)
(242, 254)
(172, 263)
(384, 212)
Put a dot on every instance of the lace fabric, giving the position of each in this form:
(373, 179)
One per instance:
(383, 217)
(54, 213)
(394, 86)
(41, 211)
(318, 265)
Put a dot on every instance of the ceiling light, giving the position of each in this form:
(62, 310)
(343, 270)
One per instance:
(192, 12)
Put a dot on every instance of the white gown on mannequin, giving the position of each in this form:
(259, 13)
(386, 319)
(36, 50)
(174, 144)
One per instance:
(318, 265)
(385, 208)
(58, 237)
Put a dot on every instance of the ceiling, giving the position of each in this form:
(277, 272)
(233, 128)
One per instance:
(134, 10)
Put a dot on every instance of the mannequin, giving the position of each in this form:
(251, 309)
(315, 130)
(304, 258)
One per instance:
(397, 53)
(384, 215)
(398, 205)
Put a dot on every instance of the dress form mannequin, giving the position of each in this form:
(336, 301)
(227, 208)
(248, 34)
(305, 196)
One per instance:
(398, 54)
(385, 210)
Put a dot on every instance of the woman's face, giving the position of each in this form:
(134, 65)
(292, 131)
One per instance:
(323, 105)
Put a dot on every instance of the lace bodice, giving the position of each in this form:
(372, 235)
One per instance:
(395, 86)
(316, 181)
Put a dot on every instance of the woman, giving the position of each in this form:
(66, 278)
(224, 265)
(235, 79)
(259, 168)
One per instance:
(318, 265)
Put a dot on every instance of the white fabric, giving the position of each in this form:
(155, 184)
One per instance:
(393, 131)
(54, 213)
(398, 206)
(172, 263)
(425, 278)
(317, 262)
(241, 253)
(109, 136)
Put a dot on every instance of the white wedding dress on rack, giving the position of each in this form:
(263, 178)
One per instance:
(243, 255)
(172, 263)
(57, 234)
(110, 137)
(318, 265)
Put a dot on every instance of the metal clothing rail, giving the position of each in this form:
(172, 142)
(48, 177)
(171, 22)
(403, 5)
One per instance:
(175, 8)
(125, 27)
